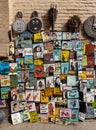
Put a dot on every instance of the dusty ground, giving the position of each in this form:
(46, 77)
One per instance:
(6, 125)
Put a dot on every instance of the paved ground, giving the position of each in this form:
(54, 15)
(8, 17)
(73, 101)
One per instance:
(87, 125)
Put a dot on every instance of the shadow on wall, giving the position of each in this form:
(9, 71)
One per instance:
(46, 23)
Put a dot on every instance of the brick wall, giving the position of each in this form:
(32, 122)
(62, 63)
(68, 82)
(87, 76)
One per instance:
(4, 26)
(66, 8)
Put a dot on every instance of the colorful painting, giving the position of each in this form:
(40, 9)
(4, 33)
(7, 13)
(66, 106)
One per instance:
(52, 78)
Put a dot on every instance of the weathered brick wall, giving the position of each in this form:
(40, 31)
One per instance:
(4, 26)
(66, 8)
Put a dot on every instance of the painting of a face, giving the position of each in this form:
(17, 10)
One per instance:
(35, 25)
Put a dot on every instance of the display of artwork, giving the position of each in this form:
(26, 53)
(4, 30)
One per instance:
(51, 80)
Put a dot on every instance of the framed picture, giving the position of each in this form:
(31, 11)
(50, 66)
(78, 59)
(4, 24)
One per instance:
(3, 103)
(65, 88)
(46, 35)
(32, 81)
(39, 71)
(82, 116)
(5, 92)
(28, 59)
(4, 68)
(20, 44)
(36, 96)
(43, 108)
(65, 68)
(48, 58)
(65, 112)
(33, 116)
(72, 80)
(13, 80)
(50, 82)
(73, 103)
(40, 84)
(89, 50)
(48, 91)
(56, 55)
(51, 108)
(90, 83)
(31, 106)
(29, 95)
(89, 112)
(11, 48)
(5, 80)
(38, 62)
(57, 80)
(38, 50)
(14, 94)
(14, 106)
(25, 75)
(49, 69)
(57, 44)
(13, 68)
(65, 55)
(21, 96)
(57, 70)
(19, 53)
(83, 86)
(67, 45)
(37, 37)
(16, 118)
(43, 97)
(89, 97)
(21, 87)
(28, 51)
(25, 115)
(79, 55)
(66, 35)
(73, 93)
(19, 76)
(22, 105)
(56, 35)
(78, 44)
(48, 46)
(74, 115)
(73, 65)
